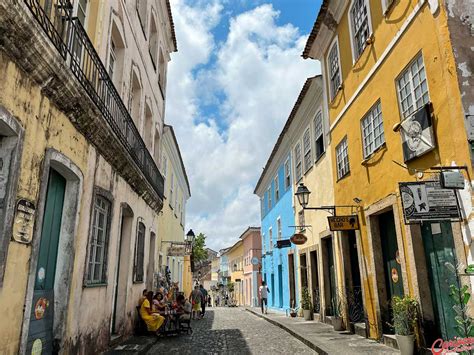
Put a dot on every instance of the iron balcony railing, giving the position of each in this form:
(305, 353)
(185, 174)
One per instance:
(71, 40)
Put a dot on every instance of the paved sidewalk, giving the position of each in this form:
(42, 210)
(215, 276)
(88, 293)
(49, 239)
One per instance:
(322, 337)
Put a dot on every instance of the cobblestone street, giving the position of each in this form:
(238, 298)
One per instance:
(234, 331)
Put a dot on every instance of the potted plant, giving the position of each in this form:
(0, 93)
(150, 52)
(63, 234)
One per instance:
(306, 304)
(404, 322)
(337, 310)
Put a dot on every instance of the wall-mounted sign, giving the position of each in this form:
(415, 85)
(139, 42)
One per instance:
(254, 261)
(343, 223)
(285, 243)
(417, 134)
(451, 179)
(177, 250)
(24, 221)
(428, 201)
(298, 239)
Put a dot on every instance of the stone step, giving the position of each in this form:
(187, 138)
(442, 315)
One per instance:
(360, 329)
(390, 340)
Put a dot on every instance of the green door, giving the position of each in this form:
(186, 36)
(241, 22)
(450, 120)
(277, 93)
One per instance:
(333, 296)
(391, 264)
(40, 335)
(439, 250)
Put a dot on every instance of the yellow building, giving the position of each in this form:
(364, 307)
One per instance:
(81, 116)
(235, 257)
(172, 218)
(395, 116)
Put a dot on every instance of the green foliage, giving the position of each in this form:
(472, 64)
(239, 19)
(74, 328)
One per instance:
(405, 312)
(230, 287)
(461, 296)
(306, 299)
(336, 305)
(199, 251)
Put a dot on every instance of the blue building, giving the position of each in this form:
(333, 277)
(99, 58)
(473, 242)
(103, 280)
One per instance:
(277, 223)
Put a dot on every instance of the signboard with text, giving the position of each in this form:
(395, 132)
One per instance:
(428, 201)
(177, 250)
(343, 223)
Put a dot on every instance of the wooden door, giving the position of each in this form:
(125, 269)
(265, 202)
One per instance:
(40, 334)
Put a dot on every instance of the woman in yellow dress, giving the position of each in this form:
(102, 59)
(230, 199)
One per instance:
(152, 319)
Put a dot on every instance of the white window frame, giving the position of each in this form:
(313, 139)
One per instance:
(277, 188)
(287, 171)
(339, 154)
(307, 150)
(355, 55)
(94, 245)
(386, 5)
(298, 163)
(270, 238)
(406, 114)
(269, 200)
(319, 115)
(367, 124)
(262, 206)
(279, 231)
(332, 95)
(112, 60)
(86, 13)
(264, 244)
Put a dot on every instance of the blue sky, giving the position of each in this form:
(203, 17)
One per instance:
(231, 87)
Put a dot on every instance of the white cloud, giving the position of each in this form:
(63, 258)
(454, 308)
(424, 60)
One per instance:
(259, 71)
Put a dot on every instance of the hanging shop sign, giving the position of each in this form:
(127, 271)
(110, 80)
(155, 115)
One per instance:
(428, 201)
(298, 239)
(285, 243)
(177, 250)
(451, 179)
(417, 134)
(24, 221)
(343, 223)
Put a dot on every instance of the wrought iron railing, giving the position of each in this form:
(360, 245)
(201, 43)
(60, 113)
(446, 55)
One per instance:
(71, 40)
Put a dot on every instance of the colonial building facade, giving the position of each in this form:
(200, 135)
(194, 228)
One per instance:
(81, 123)
(396, 120)
(252, 242)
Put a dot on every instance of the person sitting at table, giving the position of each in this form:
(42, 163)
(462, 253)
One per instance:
(184, 307)
(158, 302)
(143, 297)
(152, 319)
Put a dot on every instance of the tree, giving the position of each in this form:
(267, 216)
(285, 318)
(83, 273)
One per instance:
(199, 251)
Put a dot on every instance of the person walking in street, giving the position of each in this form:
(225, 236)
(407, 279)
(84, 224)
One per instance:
(203, 300)
(263, 291)
(195, 298)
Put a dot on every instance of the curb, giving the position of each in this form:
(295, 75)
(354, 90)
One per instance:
(288, 330)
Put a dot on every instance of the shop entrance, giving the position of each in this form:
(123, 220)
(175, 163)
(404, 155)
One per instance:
(315, 281)
(439, 250)
(392, 271)
(353, 289)
(291, 268)
(330, 293)
(280, 285)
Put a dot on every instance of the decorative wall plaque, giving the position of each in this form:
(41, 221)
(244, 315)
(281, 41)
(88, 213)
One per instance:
(24, 221)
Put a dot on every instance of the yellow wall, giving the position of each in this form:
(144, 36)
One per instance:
(45, 127)
(379, 176)
(235, 256)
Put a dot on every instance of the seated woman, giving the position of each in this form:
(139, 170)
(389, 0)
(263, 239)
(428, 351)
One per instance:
(143, 297)
(158, 302)
(184, 307)
(152, 319)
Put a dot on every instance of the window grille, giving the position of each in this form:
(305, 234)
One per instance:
(342, 159)
(318, 134)
(287, 174)
(334, 70)
(308, 158)
(360, 26)
(139, 253)
(298, 167)
(372, 130)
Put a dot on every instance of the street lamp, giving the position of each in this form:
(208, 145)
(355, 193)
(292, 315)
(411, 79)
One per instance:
(302, 193)
(189, 239)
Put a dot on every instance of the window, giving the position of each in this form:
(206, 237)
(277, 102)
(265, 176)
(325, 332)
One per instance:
(334, 70)
(171, 190)
(262, 206)
(82, 12)
(412, 88)
(269, 194)
(342, 159)
(298, 167)
(135, 97)
(139, 254)
(318, 134)
(277, 188)
(372, 130)
(176, 201)
(360, 26)
(279, 228)
(153, 43)
(162, 74)
(308, 160)
(287, 174)
(112, 59)
(141, 10)
(182, 209)
(99, 238)
(264, 244)
(270, 238)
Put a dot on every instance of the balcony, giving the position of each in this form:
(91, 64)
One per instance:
(53, 48)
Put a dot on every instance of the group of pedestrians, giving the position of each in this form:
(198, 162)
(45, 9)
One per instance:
(199, 298)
